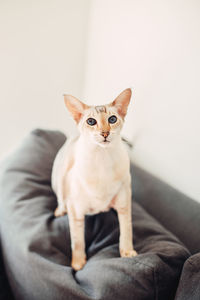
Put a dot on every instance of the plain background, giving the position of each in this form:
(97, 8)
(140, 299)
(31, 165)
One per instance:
(95, 49)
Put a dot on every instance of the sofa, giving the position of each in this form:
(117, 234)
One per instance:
(35, 251)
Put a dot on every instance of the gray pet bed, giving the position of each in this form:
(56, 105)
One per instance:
(36, 246)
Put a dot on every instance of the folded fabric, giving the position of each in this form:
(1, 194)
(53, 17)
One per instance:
(36, 246)
(189, 285)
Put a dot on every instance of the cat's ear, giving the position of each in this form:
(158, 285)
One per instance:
(122, 102)
(75, 107)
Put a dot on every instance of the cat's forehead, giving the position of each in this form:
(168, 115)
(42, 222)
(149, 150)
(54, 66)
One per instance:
(100, 110)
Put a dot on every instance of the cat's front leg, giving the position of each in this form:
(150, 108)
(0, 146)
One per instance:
(123, 208)
(76, 224)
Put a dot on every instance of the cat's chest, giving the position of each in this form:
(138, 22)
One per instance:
(102, 181)
(102, 176)
(101, 171)
(100, 189)
(97, 180)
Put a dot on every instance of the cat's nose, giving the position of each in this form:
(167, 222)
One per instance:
(105, 134)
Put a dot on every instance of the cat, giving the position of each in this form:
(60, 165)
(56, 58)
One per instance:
(91, 173)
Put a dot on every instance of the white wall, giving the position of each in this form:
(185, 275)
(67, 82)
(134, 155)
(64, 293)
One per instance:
(42, 54)
(153, 46)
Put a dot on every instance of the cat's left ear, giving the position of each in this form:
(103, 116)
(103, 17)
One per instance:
(75, 107)
(122, 102)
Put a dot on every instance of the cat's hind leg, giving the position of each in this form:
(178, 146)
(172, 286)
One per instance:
(61, 209)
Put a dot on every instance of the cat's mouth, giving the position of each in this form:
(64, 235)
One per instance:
(105, 142)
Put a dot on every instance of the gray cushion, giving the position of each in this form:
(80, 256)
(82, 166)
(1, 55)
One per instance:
(171, 208)
(36, 246)
(189, 286)
(5, 291)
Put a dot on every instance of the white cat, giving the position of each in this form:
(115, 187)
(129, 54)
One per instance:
(91, 173)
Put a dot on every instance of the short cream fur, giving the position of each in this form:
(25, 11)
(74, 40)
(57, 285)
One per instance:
(91, 173)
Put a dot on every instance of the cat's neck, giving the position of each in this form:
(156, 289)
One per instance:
(89, 155)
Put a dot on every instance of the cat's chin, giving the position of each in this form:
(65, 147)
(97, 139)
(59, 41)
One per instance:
(104, 144)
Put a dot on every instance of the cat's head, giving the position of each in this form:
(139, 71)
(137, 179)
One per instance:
(100, 124)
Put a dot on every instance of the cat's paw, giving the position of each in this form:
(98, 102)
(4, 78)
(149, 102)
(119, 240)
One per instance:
(60, 211)
(78, 263)
(128, 253)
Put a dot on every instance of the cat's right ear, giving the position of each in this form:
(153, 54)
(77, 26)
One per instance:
(75, 107)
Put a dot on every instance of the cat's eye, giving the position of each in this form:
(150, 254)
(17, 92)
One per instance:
(91, 121)
(112, 119)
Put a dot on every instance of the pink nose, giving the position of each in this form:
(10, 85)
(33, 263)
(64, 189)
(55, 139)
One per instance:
(105, 134)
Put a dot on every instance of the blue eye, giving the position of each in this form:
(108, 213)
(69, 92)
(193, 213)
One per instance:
(91, 121)
(112, 119)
